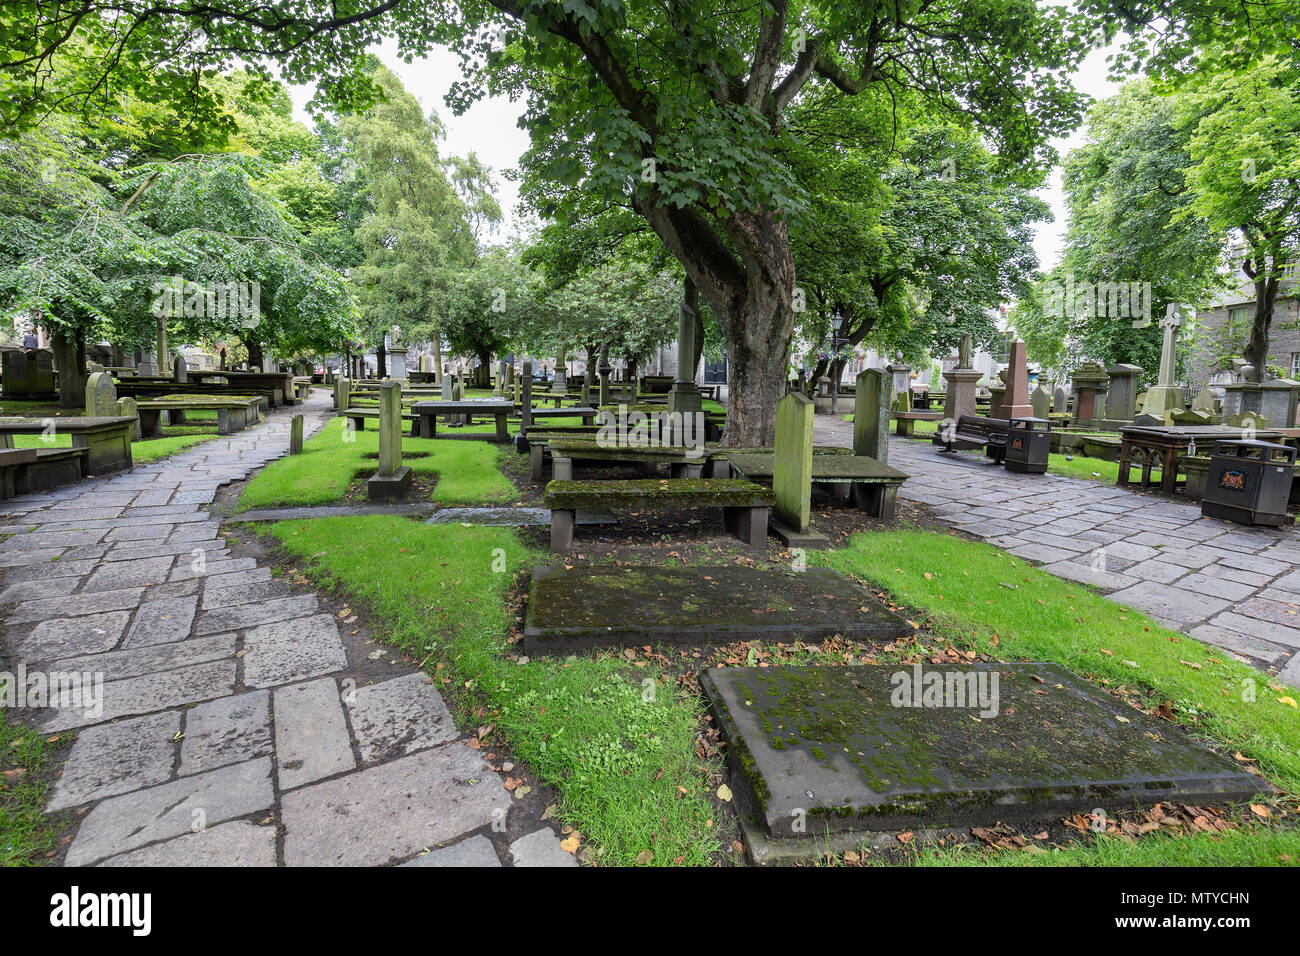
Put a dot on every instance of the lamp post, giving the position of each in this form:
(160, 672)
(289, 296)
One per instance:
(837, 321)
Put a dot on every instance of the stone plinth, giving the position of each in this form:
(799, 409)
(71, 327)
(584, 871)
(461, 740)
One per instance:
(397, 362)
(1089, 385)
(1274, 400)
(959, 399)
(1122, 392)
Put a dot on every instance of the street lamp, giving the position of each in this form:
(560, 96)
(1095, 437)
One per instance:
(837, 321)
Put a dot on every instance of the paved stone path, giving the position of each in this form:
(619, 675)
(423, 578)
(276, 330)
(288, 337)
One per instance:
(234, 729)
(1230, 585)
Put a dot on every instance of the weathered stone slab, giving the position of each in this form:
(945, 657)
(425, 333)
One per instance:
(838, 749)
(1172, 604)
(134, 661)
(243, 594)
(117, 758)
(225, 731)
(392, 810)
(239, 616)
(60, 637)
(43, 570)
(477, 851)
(161, 622)
(37, 590)
(398, 717)
(235, 844)
(144, 695)
(311, 736)
(75, 605)
(589, 606)
(130, 574)
(124, 823)
(540, 848)
(287, 651)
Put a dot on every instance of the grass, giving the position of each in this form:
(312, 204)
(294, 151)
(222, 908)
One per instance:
(616, 740)
(174, 439)
(26, 835)
(983, 599)
(1257, 846)
(331, 459)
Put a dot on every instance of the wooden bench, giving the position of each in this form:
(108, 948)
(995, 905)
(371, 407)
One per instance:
(358, 416)
(866, 483)
(976, 431)
(906, 421)
(744, 505)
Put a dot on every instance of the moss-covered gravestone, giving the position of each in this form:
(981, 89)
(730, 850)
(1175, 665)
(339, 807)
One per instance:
(393, 479)
(295, 436)
(342, 393)
(526, 399)
(127, 406)
(871, 414)
(792, 467)
(101, 396)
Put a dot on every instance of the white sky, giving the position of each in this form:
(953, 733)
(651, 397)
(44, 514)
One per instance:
(490, 128)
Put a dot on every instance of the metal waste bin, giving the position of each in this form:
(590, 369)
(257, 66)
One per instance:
(1029, 440)
(1249, 482)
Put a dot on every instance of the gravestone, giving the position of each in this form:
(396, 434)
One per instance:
(392, 479)
(426, 363)
(603, 371)
(127, 406)
(526, 397)
(792, 464)
(871, 403)
(180, 371)
(1015, 402)
(101, 396)
(1089, 384)
(997, 393)
(1122, 392)
(822, 756)
(1165, 397)
(1041, 401)
(960, 383)
(342, 393)
(397, 362)
(295, 435)
(561, 384)
(448, 384)
(684, 396)
(1060, 400)
(663, 604)
(27, 376)
(1205, 401)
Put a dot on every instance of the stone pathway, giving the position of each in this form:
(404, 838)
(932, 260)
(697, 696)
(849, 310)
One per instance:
(1230, 585)
(234, 726)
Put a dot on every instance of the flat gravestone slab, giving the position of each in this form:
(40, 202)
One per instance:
(589, 606)
(837, 748)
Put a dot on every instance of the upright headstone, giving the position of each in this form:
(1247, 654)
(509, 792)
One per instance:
(1041, 401)
(1165, 397)
(603, 371)
(1122, 391)
(561, 384)
(684, 396)
(180, 371)
(397, 362)
(1015, 402)
(448, 384)
(792, 465)
(28, 375)
(101, 396)
(342, 393)
(871, 414)
(392, 479)
(1060, 400)
(127, 406)
(1089, 384)
(526, 397)
(960, 383)
(1205, 401)
(295, 435)
(500, 388)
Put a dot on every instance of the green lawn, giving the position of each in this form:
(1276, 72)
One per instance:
(25, 833)
(175, 438)
(980, 598)
(467, 470)
(616, 740)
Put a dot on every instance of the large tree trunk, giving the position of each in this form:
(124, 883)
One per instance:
(72, 376)
(381, 360)
(255, 356)
(751, 292)
(1256, 353)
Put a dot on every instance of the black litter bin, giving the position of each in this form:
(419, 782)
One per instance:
(1249, 482)
(1029, 440)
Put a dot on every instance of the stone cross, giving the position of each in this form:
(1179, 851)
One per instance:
(792, 464)
(1170, 323)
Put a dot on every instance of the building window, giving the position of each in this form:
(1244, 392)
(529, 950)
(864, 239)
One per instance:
(1295, 365)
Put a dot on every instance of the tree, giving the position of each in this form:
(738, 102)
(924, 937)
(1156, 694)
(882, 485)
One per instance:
(1134, 240)
(1245, 147)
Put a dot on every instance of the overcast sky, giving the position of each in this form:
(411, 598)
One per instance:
(491, 129)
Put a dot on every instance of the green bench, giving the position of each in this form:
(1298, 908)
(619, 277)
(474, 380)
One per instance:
(744, 505)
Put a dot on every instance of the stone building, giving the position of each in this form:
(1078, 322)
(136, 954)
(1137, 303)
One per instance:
(1223, 328)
